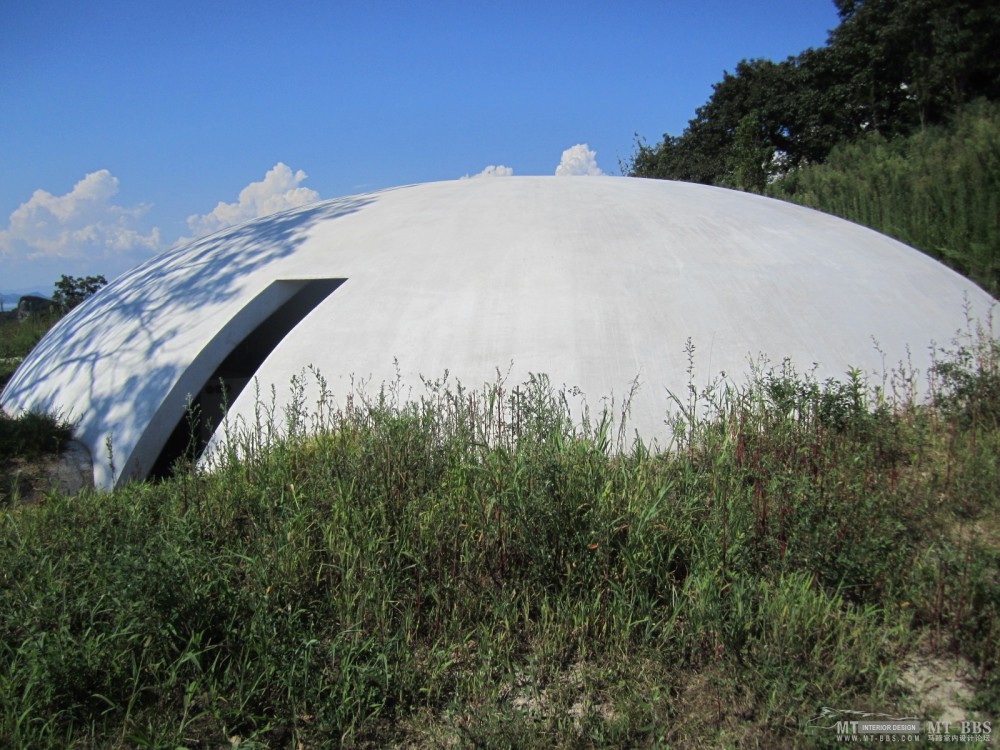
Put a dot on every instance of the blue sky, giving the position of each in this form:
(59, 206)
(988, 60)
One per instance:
(129, 126)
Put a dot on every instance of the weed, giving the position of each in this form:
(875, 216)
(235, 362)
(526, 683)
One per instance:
(475, 567)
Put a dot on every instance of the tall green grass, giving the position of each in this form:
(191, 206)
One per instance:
(471, 570)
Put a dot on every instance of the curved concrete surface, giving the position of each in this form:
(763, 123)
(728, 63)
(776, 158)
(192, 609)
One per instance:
(593, 281)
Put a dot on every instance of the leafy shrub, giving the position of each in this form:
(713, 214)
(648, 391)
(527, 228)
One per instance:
(968, 381)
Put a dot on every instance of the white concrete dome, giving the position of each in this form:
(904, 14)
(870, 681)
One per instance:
(593, 281)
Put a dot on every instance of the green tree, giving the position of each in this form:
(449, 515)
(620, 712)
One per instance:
(909, 63)
(890, 67)
(761, 120)
(70, 291)
(745, 107)
(750, 159)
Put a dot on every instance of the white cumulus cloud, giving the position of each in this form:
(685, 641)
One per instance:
(279, 190)
(578, 160)
(493, 170)
(81, 223)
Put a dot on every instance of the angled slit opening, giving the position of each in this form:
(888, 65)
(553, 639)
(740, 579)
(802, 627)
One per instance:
(205, 405)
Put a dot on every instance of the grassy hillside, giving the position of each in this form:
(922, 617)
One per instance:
(31, 435)
(17, 338)
(469, 571)
(938, 190)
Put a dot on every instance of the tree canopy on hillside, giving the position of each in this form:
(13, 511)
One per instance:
(890, 67)
(70, 291)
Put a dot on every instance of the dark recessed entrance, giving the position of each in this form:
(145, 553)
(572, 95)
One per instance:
(207, 405)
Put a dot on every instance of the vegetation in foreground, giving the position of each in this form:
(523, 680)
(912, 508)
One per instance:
(469, 570)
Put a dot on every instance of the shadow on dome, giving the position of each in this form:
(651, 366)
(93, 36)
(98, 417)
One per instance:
(144, 310)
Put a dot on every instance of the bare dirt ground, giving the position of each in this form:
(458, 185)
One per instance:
(69, 473)
(941, 686)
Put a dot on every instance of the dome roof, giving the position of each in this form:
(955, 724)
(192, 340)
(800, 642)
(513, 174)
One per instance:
(593, 281)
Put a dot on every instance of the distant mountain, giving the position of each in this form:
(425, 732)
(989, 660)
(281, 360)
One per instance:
(9, 299)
